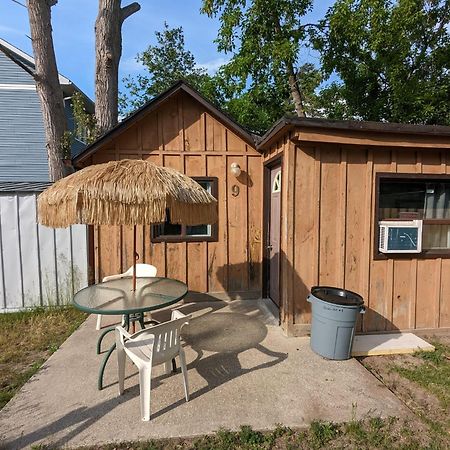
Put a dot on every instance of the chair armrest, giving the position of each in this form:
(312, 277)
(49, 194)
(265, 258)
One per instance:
(122, 334)
(178, 315)
(112, 277)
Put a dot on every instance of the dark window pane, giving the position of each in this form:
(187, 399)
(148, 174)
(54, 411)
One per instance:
(399, 197)
(167, 228)
(198, 230)
(437, 198)
(205, 184)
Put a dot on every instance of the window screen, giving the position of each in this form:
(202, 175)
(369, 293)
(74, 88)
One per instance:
(425, 199)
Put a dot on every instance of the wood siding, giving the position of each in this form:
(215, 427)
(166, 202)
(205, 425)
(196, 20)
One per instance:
(328, 236)
(183, 135)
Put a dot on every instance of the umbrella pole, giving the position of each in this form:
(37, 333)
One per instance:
(134, 257)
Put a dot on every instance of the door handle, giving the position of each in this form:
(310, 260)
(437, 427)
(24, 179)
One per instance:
(269, 247)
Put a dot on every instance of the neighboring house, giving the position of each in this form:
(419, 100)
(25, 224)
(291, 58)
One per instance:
(303, 211)
(23, 153)
(38, 266)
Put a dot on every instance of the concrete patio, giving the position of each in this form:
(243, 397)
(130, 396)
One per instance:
(242, 371)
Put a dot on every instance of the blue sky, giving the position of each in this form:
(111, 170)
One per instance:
(73, 33)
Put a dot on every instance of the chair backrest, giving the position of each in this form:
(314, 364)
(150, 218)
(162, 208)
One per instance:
(142, 270)
(166, 342)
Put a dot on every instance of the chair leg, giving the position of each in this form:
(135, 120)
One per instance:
(121, 359)
(168, 367)
(145, 380)
(184, 372)
(99, 322)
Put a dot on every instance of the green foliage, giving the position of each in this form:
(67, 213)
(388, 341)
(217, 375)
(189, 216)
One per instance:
(322, 432)
(169, 61)
(27, 339)
(85, 123)
(165, 63)
(393, 59)
(433, 374)
(265, 38)
(85, 126)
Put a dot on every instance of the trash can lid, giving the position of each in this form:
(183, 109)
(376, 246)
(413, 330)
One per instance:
(337, 296)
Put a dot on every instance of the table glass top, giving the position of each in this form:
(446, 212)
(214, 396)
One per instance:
(117, 296)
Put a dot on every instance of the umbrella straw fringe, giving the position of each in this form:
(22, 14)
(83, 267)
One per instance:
(126, 192)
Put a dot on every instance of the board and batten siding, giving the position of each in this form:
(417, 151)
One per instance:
(328, 228)
(39, 266)
(23, 155)
(183, 135)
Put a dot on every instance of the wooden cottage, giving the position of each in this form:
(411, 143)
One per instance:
(180, 129)
(339, 180)
(298, 207)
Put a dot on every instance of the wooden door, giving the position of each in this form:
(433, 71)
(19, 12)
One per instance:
(273, 240)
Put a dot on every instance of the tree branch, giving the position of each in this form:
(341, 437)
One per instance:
(319, 26)
(128, 10)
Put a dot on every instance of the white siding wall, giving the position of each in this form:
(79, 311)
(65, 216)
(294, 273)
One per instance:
(38, 265)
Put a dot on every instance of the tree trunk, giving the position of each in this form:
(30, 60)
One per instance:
(295, 92)
(47, 83)
(108, 47)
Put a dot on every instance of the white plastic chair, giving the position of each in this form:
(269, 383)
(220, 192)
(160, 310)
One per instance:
(148, 348)
(142, 271)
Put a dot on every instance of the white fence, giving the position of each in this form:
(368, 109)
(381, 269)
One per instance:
(39, 266)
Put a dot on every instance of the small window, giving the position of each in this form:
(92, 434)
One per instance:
(171, 232)
(424, 197)
(276, 186)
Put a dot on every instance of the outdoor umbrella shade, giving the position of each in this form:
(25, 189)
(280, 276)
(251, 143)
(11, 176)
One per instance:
(127, 192)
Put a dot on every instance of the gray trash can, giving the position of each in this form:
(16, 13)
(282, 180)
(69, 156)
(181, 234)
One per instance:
(334, 314)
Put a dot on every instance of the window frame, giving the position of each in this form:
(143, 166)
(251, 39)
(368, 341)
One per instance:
(183, 237)
(425, 254)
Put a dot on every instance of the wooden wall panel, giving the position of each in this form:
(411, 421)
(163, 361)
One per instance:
(193, 125)
(357, 235)
(307, 204)
(287, 241)
(429, 271)
(154, 253)
(218, 251)
(175, 252)
(170, 125)
(235, 144)
(379, 313)
(255, 206)
(197, 276)
(444, 305)
(237, 227)
(331, 216)
(149, 133)
(127, 258)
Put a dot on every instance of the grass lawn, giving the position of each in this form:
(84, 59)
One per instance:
(422, 382)
(375, 433)
(27, 339)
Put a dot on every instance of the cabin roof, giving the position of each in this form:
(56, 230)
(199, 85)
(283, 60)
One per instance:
(152, 105)
(288, 123)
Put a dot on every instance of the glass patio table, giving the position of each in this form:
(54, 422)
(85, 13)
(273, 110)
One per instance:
(116, 297)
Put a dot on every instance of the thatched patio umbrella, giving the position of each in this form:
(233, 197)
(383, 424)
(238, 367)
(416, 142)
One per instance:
(126, 192)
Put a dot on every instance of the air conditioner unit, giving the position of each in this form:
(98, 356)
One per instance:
(402, 236)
